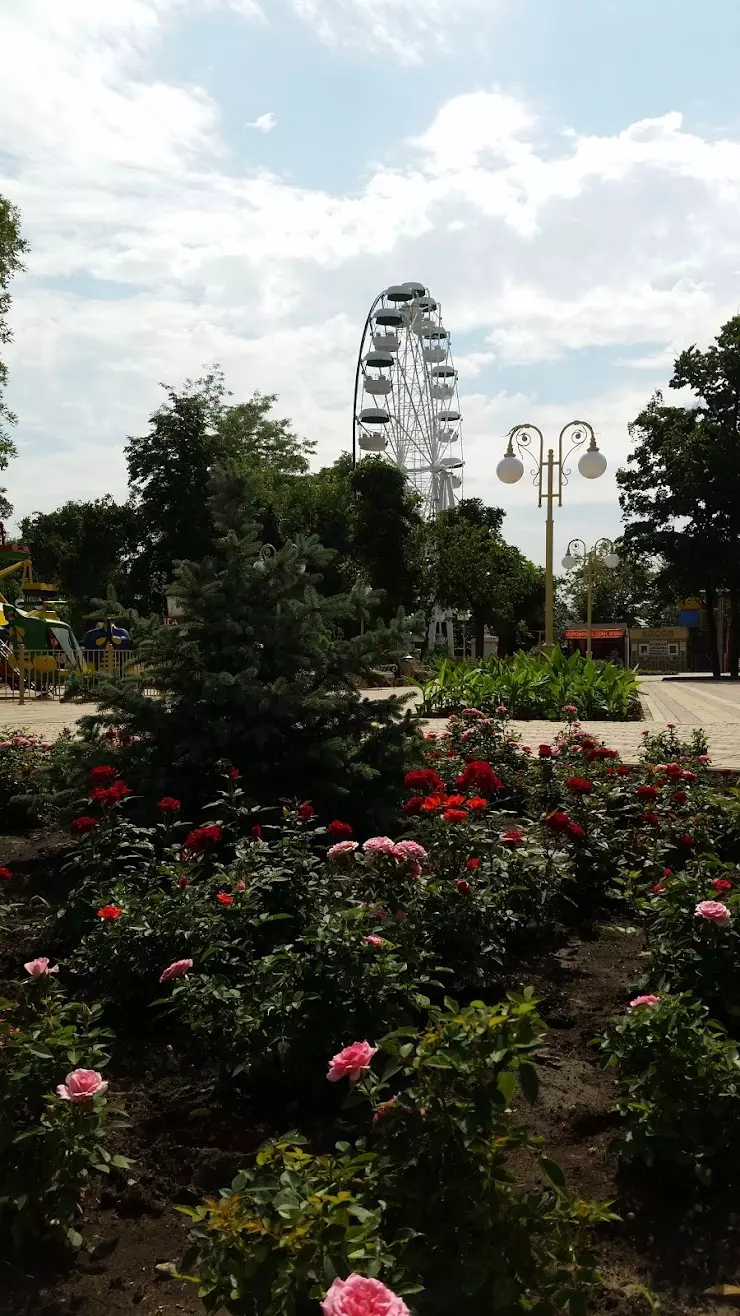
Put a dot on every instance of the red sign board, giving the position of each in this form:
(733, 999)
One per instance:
(597, 633)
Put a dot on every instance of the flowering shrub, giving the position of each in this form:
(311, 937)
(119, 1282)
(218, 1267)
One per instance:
(454, 1230)
(22, 756)
(54, 1119)
(680, 1079)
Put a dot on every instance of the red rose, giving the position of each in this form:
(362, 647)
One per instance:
(545, 751)
(257, 832)
(476, 802)
(472, 863)
(688, 776)
(203, 838)
(233, 773)
(103, 773)
(668, 872)
(413, 805)
(183, 882)
(109, 913)
(422, 781)
(306, 811)
(454, 816)
(480, 775)
(463, 887)
(624, 769)
(432, 803)
(340, 831)
(575, 832)
(646, 793)
(658, 889)
(512, 837)
(579, 785)
(686, 840)
(225, 898)
(5, 875)
(650, 819)
(721, 884)
(455, 802)
(168, 804)
(107, 795)
(673, 770)
(679, 797)
(557, 821)
(79, 826)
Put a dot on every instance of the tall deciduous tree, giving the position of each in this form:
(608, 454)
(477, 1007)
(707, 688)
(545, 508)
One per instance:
(629, 592)
(386, 517)
(681, 490)
(477, 571)
(84, 548)
(12, 247)
(193, 431)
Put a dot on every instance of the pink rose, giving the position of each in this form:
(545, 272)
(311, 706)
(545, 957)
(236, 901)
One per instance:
(39, 968)
(644, 1000)
(380, 845)
(715, 911)
(176, 970)
(340, 849)
(240, 885)
(410, 850)
(82, 1085)
(358, 1296)
(350, 1062)
(372, 940)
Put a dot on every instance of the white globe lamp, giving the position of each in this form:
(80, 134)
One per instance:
(510, 469)
(593, 463)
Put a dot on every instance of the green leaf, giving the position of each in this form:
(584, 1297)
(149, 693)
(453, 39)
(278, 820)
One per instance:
(506, 1084)
(529, 1081)
(553, 1172)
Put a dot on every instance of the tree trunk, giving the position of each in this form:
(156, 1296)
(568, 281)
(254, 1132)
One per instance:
(733, 625)
(712, 627)
(480, 626)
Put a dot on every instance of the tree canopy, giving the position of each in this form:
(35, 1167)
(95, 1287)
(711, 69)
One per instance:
(12, 247)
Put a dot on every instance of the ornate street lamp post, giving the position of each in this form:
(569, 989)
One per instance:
(510, 470)
(578, 555)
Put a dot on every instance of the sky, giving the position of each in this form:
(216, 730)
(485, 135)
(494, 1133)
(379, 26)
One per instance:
(237, 180)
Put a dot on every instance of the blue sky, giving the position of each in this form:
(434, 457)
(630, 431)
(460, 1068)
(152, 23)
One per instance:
(564, 175)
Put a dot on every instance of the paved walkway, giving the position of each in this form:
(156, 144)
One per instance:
(711, 705)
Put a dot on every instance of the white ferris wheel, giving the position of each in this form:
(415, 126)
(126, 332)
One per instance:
(406, 401)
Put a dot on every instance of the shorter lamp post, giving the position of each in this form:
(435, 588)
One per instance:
(578, 555)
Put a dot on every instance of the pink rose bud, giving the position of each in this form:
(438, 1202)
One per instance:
(82, 1085)
(643, 1000)
(176, 970)
(350, 1062)
(39, 968)
(358, 1296)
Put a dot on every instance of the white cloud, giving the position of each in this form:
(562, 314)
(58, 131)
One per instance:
(407, 28)
(264, 124)
(537, 244)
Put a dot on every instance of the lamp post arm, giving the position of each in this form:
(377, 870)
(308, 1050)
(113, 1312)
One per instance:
(521, 435)
(578, 431)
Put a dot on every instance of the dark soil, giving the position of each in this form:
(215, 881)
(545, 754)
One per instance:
(673, 1237)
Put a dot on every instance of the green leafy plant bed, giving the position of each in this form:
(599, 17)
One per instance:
(553, 688)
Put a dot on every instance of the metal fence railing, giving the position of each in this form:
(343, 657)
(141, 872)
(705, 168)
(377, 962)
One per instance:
(27, 674)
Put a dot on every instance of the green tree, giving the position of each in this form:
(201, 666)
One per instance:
(386, 518)
(83, 547)
(12, 247)
(169, 467)
(476, 571)
(322, 503)
(680, 492)
(626, 593)
(258, 676)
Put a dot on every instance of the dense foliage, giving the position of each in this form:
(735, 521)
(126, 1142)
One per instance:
(551, 687)
(12, 247)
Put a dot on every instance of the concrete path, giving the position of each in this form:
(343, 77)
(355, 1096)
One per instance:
(711, 705)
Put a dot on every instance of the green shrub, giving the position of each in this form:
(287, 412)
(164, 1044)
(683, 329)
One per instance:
(49, 1145)
(432, 1206)
(23, 756)
(540, 687)
(680, 1076)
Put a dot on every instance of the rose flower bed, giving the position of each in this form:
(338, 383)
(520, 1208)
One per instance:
(361, 1004)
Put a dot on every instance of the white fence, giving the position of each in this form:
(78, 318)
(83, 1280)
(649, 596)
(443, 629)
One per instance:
(46, 673)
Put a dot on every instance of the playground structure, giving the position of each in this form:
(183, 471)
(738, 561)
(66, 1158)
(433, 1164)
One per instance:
(38, 651)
